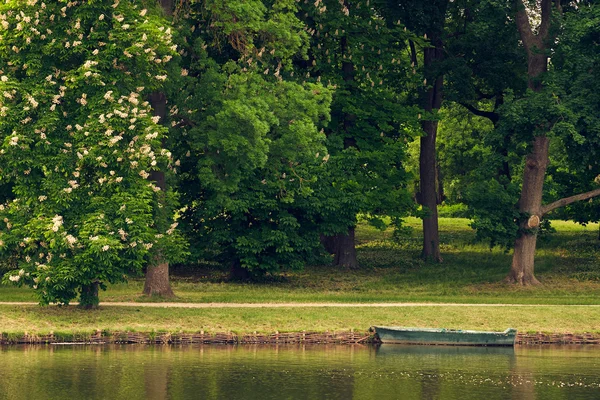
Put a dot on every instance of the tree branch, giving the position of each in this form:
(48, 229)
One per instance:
(568, 200)
(413, 52)
(492, 116)
(482, 95)
(546, 18)
(524, 26)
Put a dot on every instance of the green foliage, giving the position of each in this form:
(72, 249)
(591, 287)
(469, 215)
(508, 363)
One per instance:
(484, 58)
(535, 114)
(458, 210)
(246, 138)
(77, 142)
(465, 152)
(565, 110)
(363, 54)
(491, 65)
(574, 164)
(495, 217)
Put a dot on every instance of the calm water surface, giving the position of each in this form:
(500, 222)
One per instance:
(293, 372)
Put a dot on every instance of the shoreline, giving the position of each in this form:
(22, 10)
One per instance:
(298, 304)
(276, 338)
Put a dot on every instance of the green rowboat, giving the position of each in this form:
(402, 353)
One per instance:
(452, 337)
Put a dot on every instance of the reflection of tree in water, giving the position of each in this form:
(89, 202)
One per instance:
(431, 384)
(294, 372)
(157, 373)
(445, 372)
(252, 373)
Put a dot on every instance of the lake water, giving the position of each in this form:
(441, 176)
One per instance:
(298, 372)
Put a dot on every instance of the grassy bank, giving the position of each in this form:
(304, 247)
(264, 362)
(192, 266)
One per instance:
(567, 263)
(551, 319)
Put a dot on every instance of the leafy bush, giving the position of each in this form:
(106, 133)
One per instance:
(458, 210)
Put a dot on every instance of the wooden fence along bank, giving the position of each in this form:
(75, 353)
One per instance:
(346, 337)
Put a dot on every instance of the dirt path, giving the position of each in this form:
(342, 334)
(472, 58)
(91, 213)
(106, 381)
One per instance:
(300, 305)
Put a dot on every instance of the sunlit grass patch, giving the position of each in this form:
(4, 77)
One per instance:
(567, 263)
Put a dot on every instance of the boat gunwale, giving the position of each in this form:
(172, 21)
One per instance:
(508, 331)
(448, 337)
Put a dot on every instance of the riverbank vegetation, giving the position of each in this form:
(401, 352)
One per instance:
(15, 320)
(285, 151)
(391, 271)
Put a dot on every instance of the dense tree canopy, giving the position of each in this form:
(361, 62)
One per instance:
(250, 142)
(359, 50)
(263, 130)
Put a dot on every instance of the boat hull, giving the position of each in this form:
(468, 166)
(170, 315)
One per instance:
(448, 337)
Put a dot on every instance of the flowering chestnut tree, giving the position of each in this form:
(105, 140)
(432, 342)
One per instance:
(78, 141)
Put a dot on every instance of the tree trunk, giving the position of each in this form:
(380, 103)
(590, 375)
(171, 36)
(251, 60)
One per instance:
(344, 249)
(521, 271)
(88, 298)
(157, 279)
(157, 274)
(343, 246)
(428, 163)
(167, 6)
(238, 273)
(530, 202)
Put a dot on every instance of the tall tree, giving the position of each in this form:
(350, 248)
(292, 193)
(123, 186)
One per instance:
(547, 120)
(530, 201)
(537, 130)
(77, 142)
(364, 56)
(247, 137)
(157, 271)
(427, 19)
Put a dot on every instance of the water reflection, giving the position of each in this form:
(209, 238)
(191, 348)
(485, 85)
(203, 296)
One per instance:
(298, 372)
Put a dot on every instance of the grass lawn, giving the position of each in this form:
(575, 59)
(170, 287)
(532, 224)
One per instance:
(551, 319)
(567, 264)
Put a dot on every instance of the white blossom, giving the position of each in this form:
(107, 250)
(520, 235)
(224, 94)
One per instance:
(57, 222)
(32, 101)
